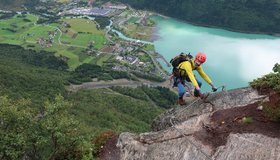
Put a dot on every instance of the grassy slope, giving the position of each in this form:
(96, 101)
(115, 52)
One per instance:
(91, 33)
(103, 109)
(74, 54)
(16, 23)
(20, 80)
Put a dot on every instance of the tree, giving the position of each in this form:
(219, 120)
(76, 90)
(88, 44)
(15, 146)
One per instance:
(51, 134)
(271, 80)
(60, 135)
(276, 68)
(15, 120)
(241, 15)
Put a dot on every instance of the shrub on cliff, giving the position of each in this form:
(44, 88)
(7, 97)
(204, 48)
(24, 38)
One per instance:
(266, 84)
(269, 81)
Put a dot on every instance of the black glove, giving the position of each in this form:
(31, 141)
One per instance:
(214, 89)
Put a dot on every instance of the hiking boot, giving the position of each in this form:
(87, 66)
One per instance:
(187, 94)
(181, 101)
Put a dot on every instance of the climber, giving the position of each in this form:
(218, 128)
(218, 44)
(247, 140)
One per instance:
(184, 72)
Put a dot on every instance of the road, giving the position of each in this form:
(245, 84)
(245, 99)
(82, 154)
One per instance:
(155, 63)
(59, 41)
(119, 82)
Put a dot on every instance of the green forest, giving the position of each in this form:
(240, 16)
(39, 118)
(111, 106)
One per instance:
(259, 16)
(16, 5)
(41, 119)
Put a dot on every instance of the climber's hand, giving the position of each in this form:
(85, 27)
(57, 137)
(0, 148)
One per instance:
(214, 89)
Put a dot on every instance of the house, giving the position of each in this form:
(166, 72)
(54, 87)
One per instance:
(120, 7)
(119, 58)
(132, 59)
(113, 6)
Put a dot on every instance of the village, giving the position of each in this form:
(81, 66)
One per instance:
(106, 34)
(129, 54)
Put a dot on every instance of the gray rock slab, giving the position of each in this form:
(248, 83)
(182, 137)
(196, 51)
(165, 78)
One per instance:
(172, 136)
(249, 147)
(221, 100)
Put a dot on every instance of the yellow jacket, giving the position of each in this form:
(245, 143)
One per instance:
(189, 67)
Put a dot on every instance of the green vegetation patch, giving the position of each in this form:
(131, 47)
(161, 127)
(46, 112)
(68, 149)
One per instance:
(51, 130)
(12, 30)
(247, 120)
(102, 21)
(103, 58)
(104, 109)
(138, 31)
(271, 80)
(85, 73)
(73, 60)
(20, 30)
(154, 78)
(272, 111)
(82, 32)
(35, 33)
(149, 47)
(133, 19)
(81, 39)
(19, 21)
(162, 97)
(145, 58)
(267, 84)
(82, 25)
(251, 16)
(28, 74)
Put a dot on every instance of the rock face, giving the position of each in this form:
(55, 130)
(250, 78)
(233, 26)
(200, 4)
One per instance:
(173, 136)
(249, 146)
(220, 100)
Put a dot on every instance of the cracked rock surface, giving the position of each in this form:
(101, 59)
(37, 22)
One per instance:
(190, 132)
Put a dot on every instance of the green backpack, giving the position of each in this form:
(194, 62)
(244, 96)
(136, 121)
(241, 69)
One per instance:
(177, 60)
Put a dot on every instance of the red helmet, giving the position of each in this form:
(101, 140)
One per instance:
(201, 57)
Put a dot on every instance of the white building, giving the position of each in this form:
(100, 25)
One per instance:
(121, 7)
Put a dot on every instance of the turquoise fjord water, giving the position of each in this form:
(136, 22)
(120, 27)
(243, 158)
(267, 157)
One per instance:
(233, 59)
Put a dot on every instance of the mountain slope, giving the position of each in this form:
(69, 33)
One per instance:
(33, 83)
(17, 5)
(14, 5)
(242, 15)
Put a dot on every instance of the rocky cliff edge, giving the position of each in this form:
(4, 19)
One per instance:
(229, 125)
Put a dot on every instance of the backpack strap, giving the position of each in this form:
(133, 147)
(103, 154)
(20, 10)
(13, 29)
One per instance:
(190, 60)
(182, 73)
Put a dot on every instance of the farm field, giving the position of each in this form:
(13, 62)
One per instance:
(131, 29)
(22, 30)
(82, 32)
(11, 30)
